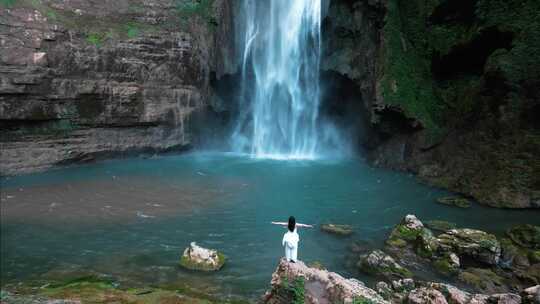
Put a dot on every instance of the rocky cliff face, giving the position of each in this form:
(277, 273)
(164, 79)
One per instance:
(450, 88)
(83, 79)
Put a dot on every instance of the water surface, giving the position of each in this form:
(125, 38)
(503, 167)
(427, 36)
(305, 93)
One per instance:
(132, 218)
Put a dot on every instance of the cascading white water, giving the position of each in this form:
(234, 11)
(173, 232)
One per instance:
(280, 89)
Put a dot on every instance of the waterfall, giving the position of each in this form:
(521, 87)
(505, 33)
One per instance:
(280, 41)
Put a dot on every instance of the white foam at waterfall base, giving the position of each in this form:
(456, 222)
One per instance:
(280, 88)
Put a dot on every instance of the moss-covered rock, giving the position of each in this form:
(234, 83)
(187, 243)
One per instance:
(459, 202)
(406, 231)
(380, 264)
(426, 244)
(344, 230)
(478, 245)
(525, 235)
(199, 258)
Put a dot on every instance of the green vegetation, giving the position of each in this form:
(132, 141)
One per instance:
(295, 288)
(412, 38)
(407, 78)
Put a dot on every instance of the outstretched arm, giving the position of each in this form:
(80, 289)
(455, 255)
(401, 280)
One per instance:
(297, 225)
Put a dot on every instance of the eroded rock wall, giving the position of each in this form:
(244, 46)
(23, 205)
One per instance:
(84, 79)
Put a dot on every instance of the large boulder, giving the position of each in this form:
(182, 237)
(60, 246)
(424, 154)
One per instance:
(298, 283)
(478, 245)
(379, 263)
(199, 258)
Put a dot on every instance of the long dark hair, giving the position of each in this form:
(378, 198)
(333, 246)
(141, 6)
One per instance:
(292, 223)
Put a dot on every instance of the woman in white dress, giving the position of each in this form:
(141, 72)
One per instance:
(291, 239)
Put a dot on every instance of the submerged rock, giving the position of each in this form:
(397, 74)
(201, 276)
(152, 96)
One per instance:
(298, 283)
(344, 230)
(454, 201)
(379, 263)
(525, 235)
(199, 258)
